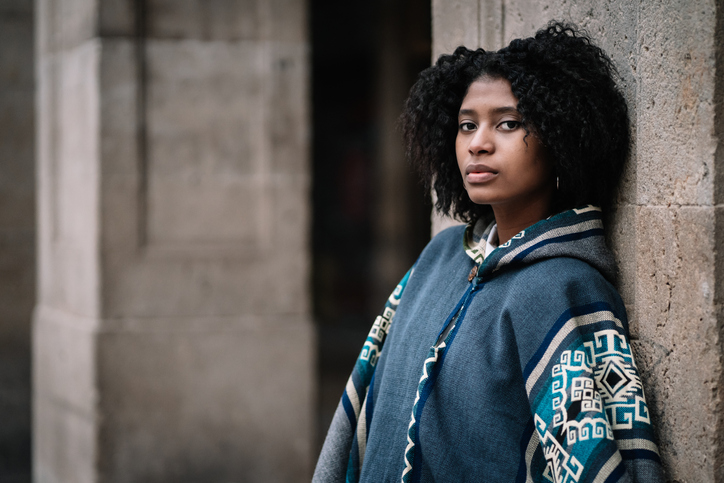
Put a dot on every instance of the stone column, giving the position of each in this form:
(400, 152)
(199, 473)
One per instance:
(17, 234)
(668, 230)
(172, 337)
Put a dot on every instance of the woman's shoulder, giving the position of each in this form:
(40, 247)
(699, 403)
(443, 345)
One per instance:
(447, 241)
(558, 284)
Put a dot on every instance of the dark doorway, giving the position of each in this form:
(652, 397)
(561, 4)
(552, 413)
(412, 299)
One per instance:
(371, 217)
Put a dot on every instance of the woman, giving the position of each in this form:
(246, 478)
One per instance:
(508, 359)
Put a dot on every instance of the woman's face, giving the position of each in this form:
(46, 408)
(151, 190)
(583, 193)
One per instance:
(499, 165)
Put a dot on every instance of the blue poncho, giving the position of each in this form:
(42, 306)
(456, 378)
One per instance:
(512, 368)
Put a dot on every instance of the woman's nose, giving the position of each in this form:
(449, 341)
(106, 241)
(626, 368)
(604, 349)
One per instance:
(481, 143)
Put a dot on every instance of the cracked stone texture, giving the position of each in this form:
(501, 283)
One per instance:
(667, 228)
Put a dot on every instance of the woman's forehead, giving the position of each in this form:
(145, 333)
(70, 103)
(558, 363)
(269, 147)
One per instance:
(494, 93)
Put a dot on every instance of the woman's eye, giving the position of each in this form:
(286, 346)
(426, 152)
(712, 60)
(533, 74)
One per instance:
(467, 126)
(509, 125)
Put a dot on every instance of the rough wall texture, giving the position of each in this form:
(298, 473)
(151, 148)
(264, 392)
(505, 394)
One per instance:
(172, 336)
(17, 233)
(667, 229)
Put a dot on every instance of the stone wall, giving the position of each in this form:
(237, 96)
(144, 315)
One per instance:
(172, 337)
(667, 232)
(17, 234)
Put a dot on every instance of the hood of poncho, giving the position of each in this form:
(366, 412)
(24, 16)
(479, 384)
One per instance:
(576, 233)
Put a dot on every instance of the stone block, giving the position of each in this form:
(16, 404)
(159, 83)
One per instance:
(65, 24)
(64, 398)
(119, 108)
(64, 354)
(718, 251)
(63, 445)
(492, 27)
(267, 278)
(292, 217)
(205, 134)
(68, 177)
(74, 178)
(678, 348)
(121, 159)
(675, 99)
(522, 17)
(117, 18)
(220, 188)
(158, 229)
(287, 117)
(286, 20)
(611, 23)
(46, 151)
(621, 238)
(171, 412)
(454, 23)
(204, 19)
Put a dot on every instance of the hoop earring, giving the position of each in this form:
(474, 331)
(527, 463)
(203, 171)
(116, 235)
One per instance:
(558, 183)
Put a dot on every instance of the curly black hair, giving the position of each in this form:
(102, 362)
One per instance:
(567, 97)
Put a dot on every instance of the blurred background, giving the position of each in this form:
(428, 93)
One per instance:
(371, 217)
(203, 206)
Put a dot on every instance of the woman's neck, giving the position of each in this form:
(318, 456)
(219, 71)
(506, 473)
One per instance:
(512, 221)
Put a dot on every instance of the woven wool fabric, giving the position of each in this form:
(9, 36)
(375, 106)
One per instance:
(533, 380)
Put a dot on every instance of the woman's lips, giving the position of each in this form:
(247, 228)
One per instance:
(479, 173)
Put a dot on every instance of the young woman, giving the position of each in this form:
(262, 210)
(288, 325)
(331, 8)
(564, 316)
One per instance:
(506, 352)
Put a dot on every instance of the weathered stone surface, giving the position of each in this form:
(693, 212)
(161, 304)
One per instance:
(492, 29)
(173, 211)
(277, 20)
(454, 23)
(65, 24)
(285, 83)
(285, 20)
(621, 240)
(675, 103)
(64, 359)
(117, 18)
(63, 443)
(679, 346)
(205, 139)
(169, 381)
(68, 179)
(204, 19)
(65, 398)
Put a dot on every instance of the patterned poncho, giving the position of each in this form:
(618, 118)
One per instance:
(512, 367)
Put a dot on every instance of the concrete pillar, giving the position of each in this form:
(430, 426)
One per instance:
(172, 337)
(667, 233)
(17, 234)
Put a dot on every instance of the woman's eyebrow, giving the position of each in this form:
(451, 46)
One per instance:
(504, 110)
(496, 110)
